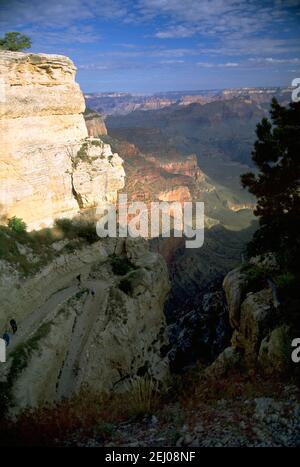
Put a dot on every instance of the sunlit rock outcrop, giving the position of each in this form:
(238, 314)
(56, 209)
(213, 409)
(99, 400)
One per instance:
(42, 133)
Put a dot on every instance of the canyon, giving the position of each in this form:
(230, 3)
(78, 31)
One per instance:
(106, 314)
(158, 170)
(122, 103)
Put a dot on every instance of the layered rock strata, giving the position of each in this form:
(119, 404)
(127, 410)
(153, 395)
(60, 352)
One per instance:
(43, 132)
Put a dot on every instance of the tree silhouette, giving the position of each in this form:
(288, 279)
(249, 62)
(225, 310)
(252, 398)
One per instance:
(276, 184)
(15, 42)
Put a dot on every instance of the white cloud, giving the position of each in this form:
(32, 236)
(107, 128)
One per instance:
(217, 65)
(93, 66)
(216, 16)
(276, 61)
(172, 62)
(234, 28)
(148, 52)
(175, 32)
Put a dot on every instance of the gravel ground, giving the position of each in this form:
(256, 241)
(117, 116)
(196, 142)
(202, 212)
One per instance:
(258, 421)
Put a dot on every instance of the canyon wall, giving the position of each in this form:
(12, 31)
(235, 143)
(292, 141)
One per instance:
(49, 168)
(261, 336)
(95, 124)
(68, 338)
(89, 311)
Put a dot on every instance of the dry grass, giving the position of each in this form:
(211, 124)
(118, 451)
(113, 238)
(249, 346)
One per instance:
(55, 424)
(85, 415)
(142, 396)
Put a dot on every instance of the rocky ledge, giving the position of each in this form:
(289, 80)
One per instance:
(43, 132)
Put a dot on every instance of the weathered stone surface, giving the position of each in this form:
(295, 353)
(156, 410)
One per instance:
(21, 296)
(39, 85)
(275, 350)
(95, 124)
(180, 194)
(256, 320)
(102, 341)
(226, 361)
(42, 129)
(234, 285)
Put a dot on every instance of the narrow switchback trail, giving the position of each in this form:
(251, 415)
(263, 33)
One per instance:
(32, 322)
(82, 328)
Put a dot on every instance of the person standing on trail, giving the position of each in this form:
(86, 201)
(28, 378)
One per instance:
(79, 279)
(93, 292)
(13, 325)
(6, 337)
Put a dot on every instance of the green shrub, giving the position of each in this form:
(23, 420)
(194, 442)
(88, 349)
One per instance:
(70, 248)
(82, 155)
(121, 265)
(17, 225)
(66, 226)
(285, 281)
(44, 236)
(15, 42)
(87, 231)
(74, 229)
(256, 277)
(97, 142)
(33, 243)
(288, 287)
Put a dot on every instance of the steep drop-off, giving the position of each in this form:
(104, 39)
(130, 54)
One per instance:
(89, 311)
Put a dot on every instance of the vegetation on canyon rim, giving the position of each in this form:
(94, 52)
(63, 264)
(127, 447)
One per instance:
(276, 186)
(15, 42)
(19, 247)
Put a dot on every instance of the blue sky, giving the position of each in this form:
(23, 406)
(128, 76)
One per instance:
(146, 46)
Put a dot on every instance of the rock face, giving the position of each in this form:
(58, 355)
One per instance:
(275, 349)
(258, 332)
(188, 167)
(180, 194)
(42, 132)
(226, 361)
(256, 320)
(82, 320)
(234, 286)
(95, 124)
(74, 338)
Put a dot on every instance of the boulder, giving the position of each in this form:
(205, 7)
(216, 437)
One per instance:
(234, 285)
(275, 350)
(257, 314)
(229, 359)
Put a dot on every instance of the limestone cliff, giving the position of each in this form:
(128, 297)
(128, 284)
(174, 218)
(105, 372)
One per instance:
(95, 123)
(48, 166)
(109, 326)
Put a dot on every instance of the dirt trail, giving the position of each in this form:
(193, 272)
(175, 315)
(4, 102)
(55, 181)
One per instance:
(35, 319)
(81, 332)
(44, 313)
